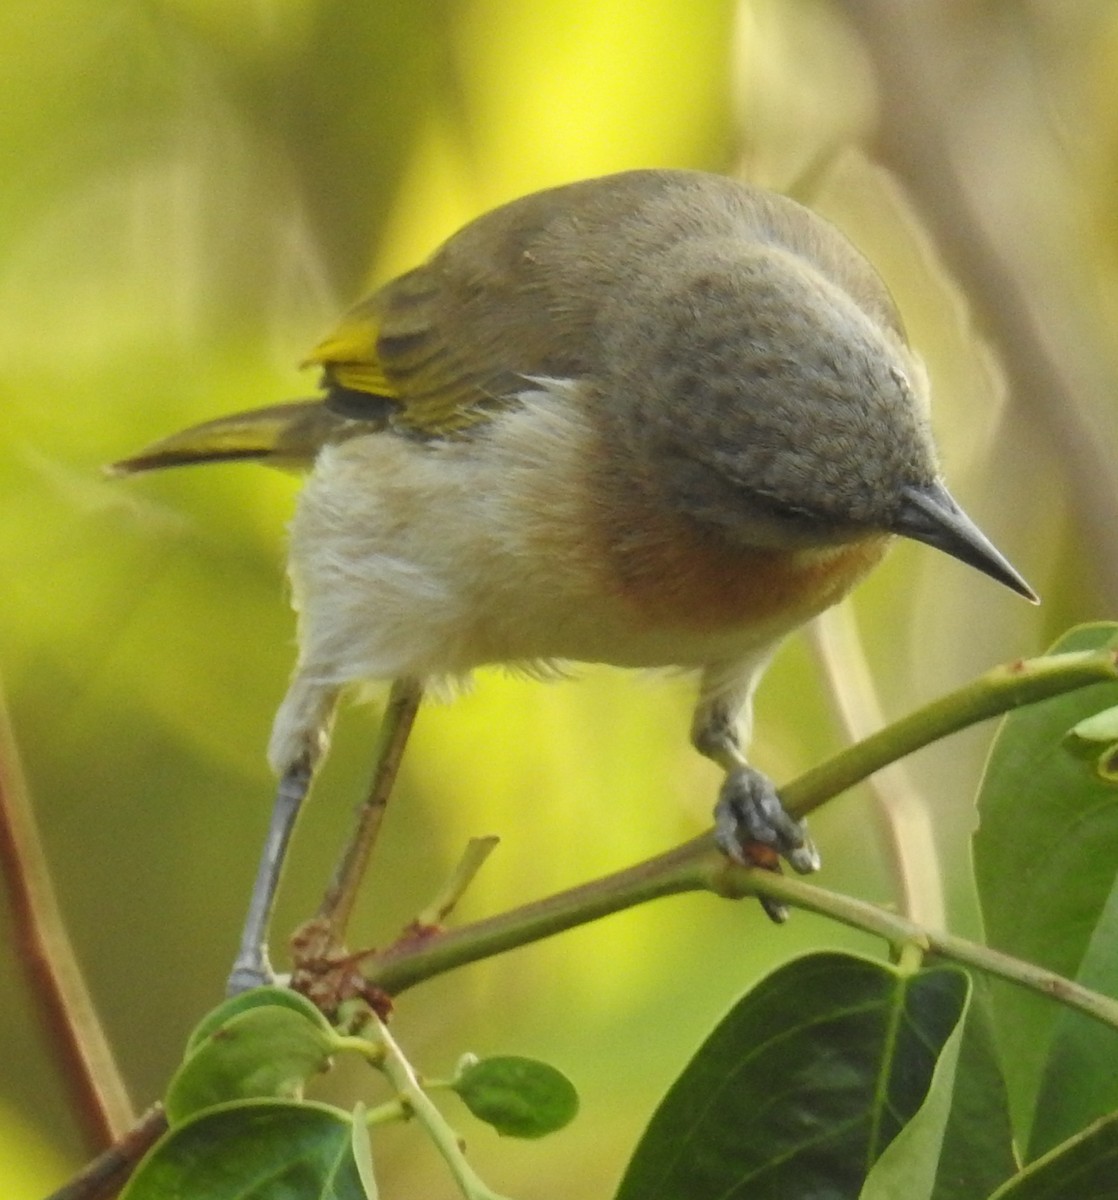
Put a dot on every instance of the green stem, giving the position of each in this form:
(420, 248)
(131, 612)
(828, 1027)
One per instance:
(387, 1113)
(687, 867)
(385, 1054)
(998, 691)
(698, 865)
(903, 933)
(477, 850)
(412, 961)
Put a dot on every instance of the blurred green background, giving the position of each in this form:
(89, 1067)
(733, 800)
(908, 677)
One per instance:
(192, 192)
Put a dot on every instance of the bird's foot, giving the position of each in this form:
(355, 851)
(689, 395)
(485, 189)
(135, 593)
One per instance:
(752, 827)
(251, 971)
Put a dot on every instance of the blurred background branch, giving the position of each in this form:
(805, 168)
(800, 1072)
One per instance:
(931, 133)
(42, 947)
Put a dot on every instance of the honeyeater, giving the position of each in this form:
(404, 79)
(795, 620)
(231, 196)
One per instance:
(659, 418)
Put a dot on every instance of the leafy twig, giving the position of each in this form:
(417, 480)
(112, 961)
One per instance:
(378, 1046)
(698, 865)
(899, 932)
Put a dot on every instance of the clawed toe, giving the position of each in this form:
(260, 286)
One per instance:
(753, 828)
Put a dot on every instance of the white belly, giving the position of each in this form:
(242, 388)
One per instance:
(428, 560)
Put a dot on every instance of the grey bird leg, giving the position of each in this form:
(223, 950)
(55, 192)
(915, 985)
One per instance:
(749, 810)
(251, 967)
(300, 736)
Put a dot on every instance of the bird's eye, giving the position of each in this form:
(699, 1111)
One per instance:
(784, 510)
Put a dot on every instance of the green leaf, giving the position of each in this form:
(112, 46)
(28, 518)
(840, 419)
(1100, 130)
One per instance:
(1100, 727)
(253, 1150)
(1083, 1168)
(256, 998)
(1045, 857)
(802, 1086)
(519, 1097)
(265, 1050)
(978, 1152)
(909, 1164)
(1080, 1080)
(363, 1152)
(1085, 738)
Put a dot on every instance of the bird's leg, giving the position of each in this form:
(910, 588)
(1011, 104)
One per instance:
(299, 739)
(752, 826)
(323, 969)
(748, 809)
(251, 967)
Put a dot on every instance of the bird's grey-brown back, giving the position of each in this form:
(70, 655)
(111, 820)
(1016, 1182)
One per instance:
(724, 327)
(535, 273)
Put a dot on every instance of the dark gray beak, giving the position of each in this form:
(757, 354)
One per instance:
(930, 515)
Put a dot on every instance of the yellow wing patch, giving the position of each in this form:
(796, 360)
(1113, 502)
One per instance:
(400, 356)
(350, 357)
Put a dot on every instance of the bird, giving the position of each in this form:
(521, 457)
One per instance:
(659, 418)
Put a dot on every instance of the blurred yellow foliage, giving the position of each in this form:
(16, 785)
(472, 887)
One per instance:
(192, 192)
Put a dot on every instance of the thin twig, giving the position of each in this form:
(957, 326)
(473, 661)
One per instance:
(62, 998)
(399, 715)
(699, 865)
(477, 850)
(106, 1174)
(898, 931)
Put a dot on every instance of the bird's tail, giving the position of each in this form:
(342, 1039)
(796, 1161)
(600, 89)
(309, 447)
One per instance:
(283, 435)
